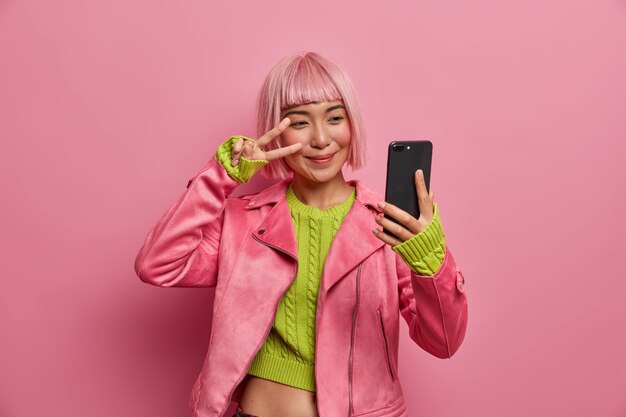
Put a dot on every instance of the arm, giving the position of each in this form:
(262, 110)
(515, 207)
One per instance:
(181, 248)
(434, 307)
(431, 292)
(430, 285)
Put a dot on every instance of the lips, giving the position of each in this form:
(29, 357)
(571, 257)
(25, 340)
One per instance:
(322, 158)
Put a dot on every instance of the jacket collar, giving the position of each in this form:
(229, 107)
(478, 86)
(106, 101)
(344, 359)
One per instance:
(344, 255)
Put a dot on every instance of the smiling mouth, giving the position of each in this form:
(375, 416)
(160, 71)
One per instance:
(321, 159)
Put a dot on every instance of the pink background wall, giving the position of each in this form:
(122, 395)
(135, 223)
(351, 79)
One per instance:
(108, 107)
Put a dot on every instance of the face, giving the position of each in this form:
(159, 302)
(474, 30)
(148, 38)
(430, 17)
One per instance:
(323, 129)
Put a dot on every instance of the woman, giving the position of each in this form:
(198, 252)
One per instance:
(309, 289)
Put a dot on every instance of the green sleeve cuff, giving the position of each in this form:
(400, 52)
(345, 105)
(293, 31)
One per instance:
(245, 169)
(425, 251)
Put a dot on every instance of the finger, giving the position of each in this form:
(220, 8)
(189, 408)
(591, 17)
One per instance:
(238, 145)
(404, 218)
(423, 201)
(394, 228)
(237, 151)
(248, 149)
(276, 131)
(282, 152)
(390, 240)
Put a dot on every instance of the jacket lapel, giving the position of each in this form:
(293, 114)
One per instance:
(354, 241)
(276, 230)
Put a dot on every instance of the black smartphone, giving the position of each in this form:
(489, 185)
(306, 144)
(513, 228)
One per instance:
(403, 159)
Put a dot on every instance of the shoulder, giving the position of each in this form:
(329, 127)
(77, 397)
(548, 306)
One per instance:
(269, 194)
(366, 196)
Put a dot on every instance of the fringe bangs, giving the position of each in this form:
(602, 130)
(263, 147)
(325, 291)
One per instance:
(307, 83)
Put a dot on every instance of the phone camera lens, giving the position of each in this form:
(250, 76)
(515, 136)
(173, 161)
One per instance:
(398, 148)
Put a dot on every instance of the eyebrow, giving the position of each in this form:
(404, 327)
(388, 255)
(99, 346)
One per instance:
(306, 113)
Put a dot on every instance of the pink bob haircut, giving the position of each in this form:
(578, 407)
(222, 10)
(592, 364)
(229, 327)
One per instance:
(304, 78)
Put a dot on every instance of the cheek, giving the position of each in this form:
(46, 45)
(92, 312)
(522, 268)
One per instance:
(291, 138)
(291, 160)
(343, 136)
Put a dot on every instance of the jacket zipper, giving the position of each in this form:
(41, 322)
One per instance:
(382, 327)
(356, 308)
(271, 323)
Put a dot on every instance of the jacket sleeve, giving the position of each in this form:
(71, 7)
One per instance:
(434, 307)
(181, 248)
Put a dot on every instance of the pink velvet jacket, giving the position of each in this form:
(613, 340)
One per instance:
(246, 248)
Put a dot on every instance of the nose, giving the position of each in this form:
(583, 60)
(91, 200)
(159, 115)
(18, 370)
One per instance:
(320, 138)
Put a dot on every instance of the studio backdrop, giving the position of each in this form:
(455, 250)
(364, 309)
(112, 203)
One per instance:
(107, 108)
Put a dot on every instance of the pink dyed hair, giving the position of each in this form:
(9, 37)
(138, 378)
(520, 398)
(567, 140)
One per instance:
(301, 79)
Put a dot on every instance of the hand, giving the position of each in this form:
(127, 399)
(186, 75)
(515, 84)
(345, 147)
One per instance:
(409, 226)
(254, 149)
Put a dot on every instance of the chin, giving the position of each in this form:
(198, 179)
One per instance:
(324, 178)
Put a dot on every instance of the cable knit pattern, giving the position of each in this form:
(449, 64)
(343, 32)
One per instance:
(289, 301)
(425, 251)
(288, 354)
(312, 281)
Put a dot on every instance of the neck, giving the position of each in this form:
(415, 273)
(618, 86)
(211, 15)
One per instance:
(321, 195)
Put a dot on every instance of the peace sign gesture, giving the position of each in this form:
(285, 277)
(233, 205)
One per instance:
(409, 226)
(253, 149)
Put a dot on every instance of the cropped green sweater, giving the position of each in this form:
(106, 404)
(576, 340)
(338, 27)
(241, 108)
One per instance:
(288, 354)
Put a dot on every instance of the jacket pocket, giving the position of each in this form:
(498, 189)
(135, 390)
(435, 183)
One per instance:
(382, 328)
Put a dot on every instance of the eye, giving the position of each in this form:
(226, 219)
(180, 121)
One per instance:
(300, 123)
(336, 119)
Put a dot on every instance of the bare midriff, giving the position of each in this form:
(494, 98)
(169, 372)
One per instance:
(265, 398)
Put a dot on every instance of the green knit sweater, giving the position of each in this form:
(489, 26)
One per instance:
(288, 354)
